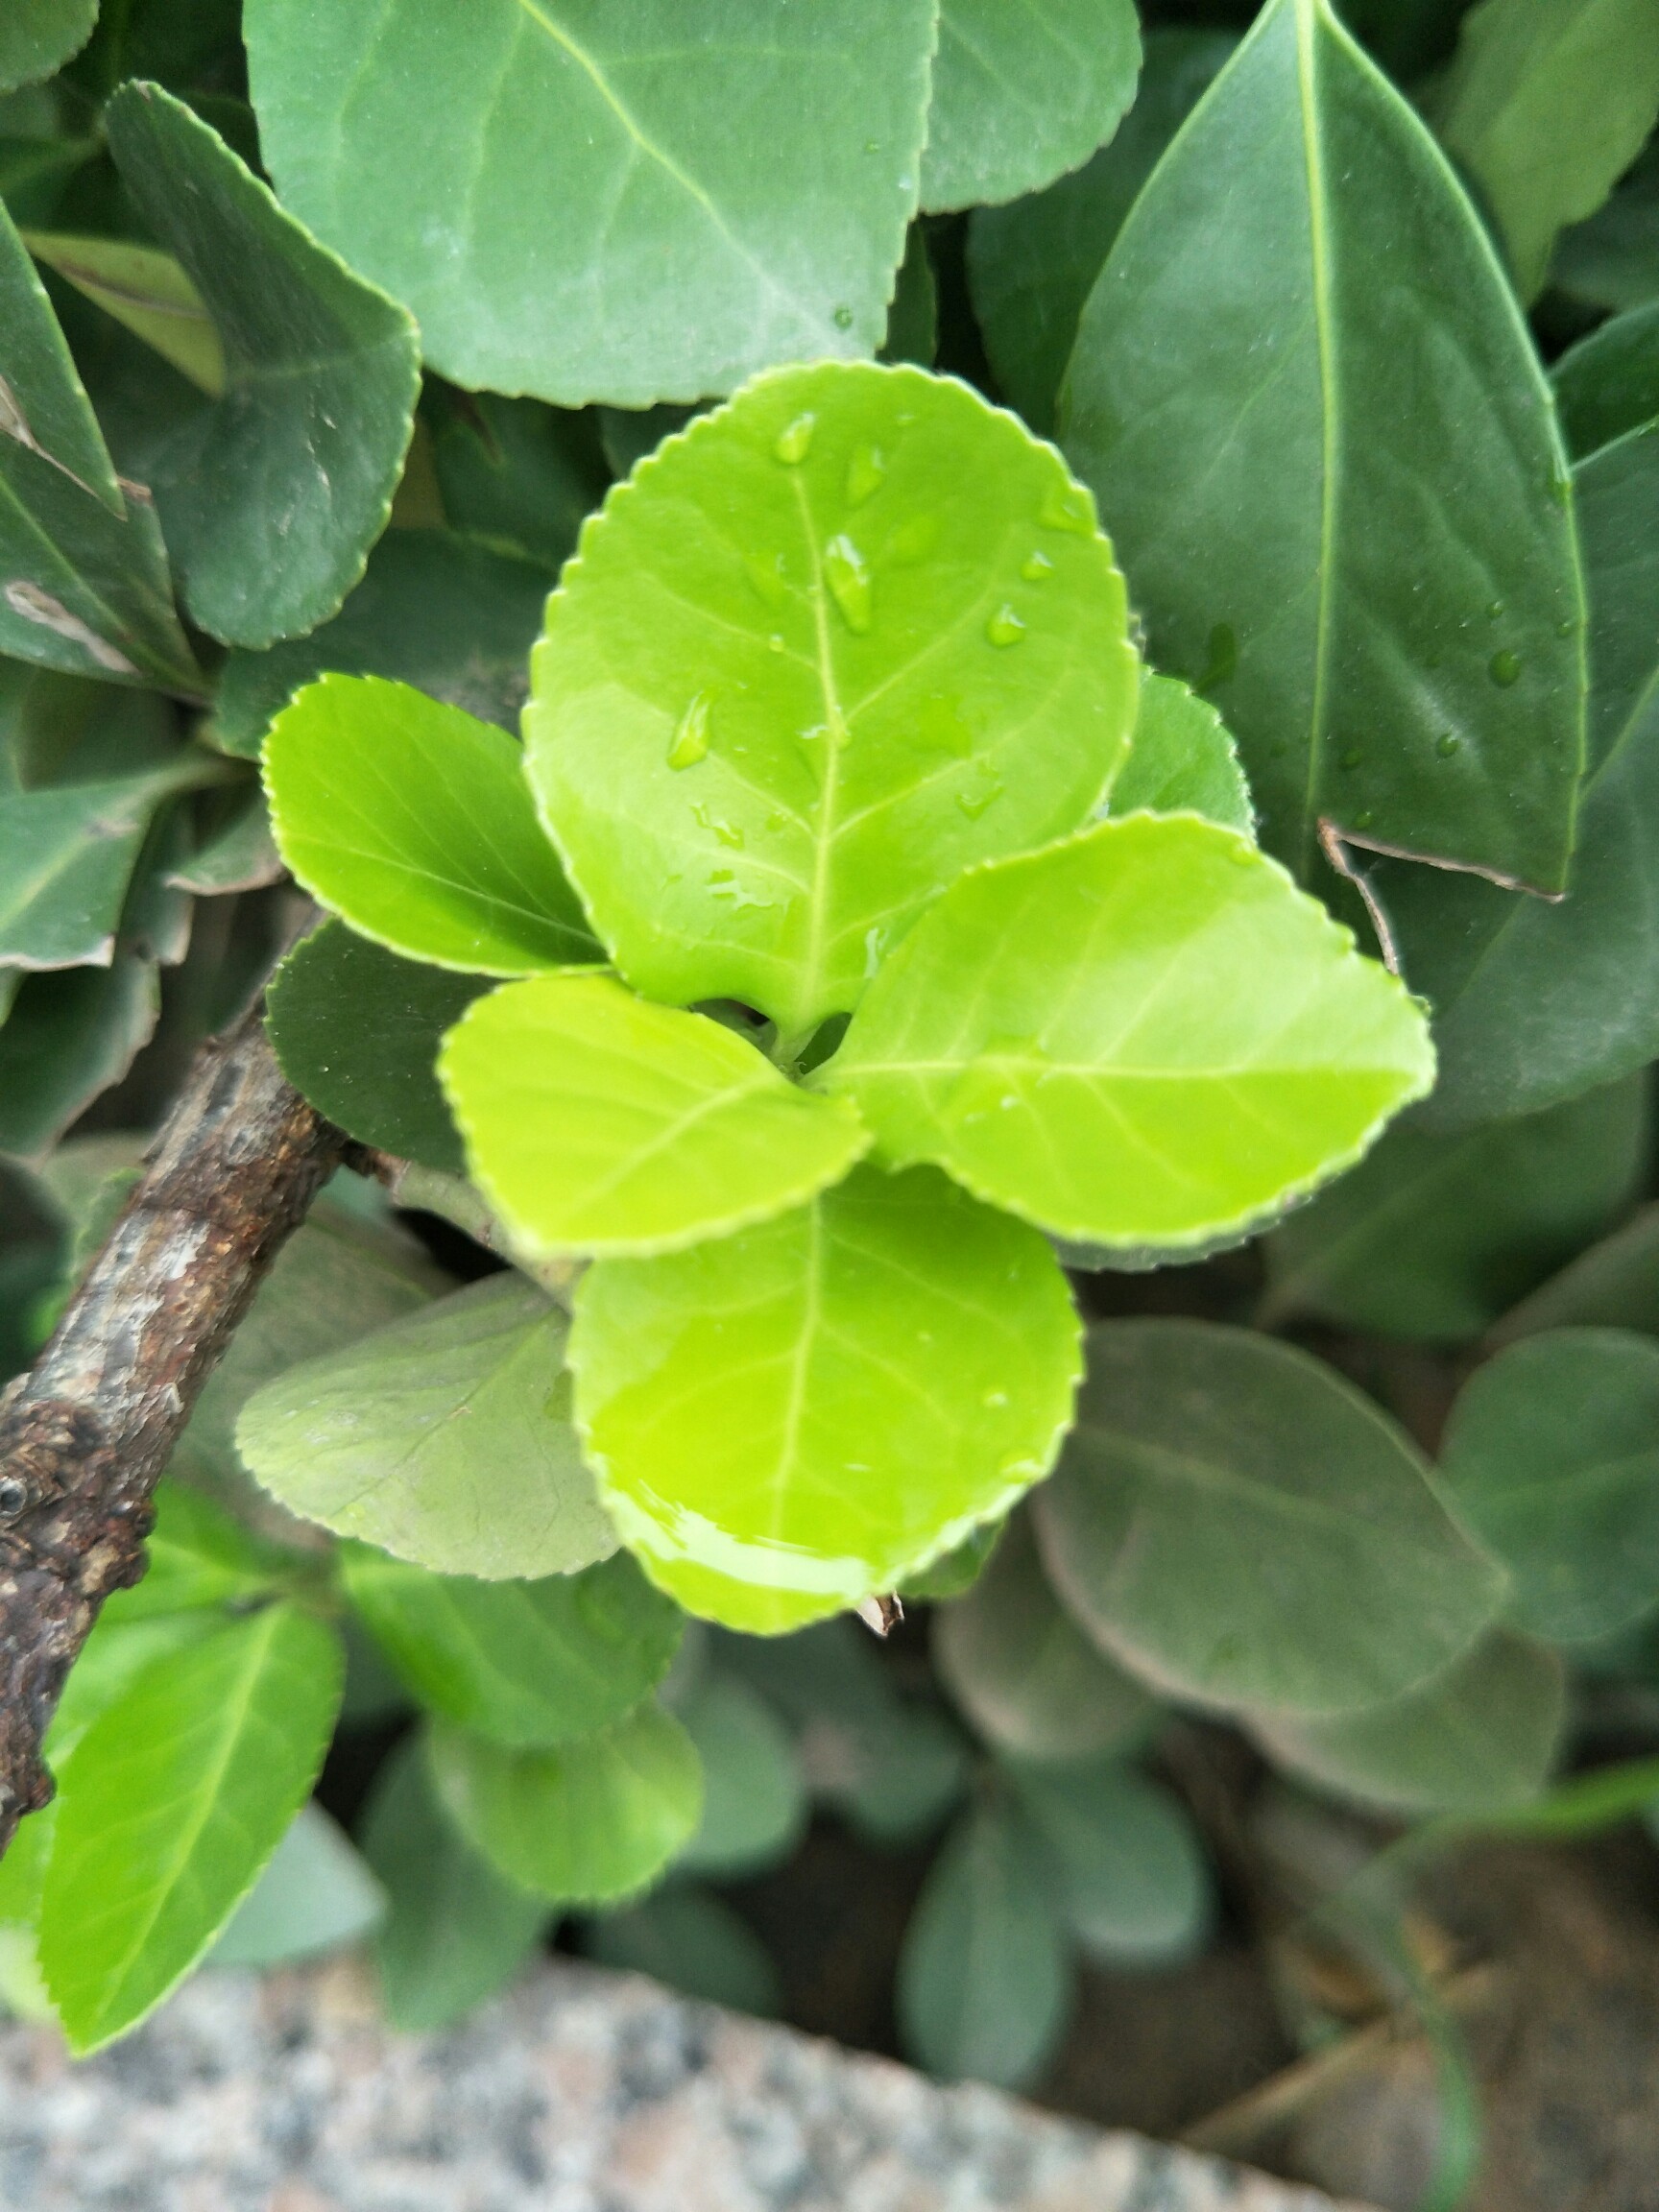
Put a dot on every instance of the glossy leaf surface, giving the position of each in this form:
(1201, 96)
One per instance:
(1547, 104)
(1023, 94)
(596, 1820)
(1024, 1671)
(145, 289)
(1164, 1040)
(628, 205)
(445, 1438)
(1301, 358)
(1243, 1527)
(1553, 1455)
(320, 373)
(412, 820)
(1535, 1002)
(1433, 1237)
(529, 1664)
(456, 1930)
(789, 1419)
(1032, 264)
(1480, 1738)
(40, 35)
(1182, 759)
(985, 1983)
(172, 1803)
(837, 642)
(754, 1794)
(596, 1122)
(1133, 1885)
(357, 1030)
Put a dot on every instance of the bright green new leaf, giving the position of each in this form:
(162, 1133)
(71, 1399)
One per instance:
(753, 1793)
(1479, 1738)
(789, 1419)
(200, 1556)
(314, 1895)
(454, 618)
(357, 1030)
(1612, 260)
(984, 1982)
(1613, 1286)
(1553, 1455)
(1547, 104)
(1610, 382)
(1534, 1002)
(321, 374)
(455, 1930)
(1133, 1888)
(1435, 1237)
(444, 1438)
(120, 1648)
(1340, 492)
(957, 1570)
(1032, 265)
(519, 475)
(412, 820)
(1024, 1671)
(145, 289)
(596, 1122)
(836, 643)
(596, 1820)
(83, 583)
(1145, 1037)
(692, 1940)
(38, 37)
(1021, 94)
(630, 205)
(170, 1806)
(529, 1664)
(1183, 761)
(1237, 1523)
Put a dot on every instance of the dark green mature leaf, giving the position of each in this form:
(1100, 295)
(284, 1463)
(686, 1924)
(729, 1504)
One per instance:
(593, 1820)
(38, 37)
(985, 1983)
(412, 820)
(83, 574)
(357, 1030)
(321, 371)
(516, 474)
(1612, 260)
(456, 1930)
(692, 1940)
(1552, 1454)
(1237, 1523)
(444, 1437)
(789, 1419)
(66, 1037)
(1615, 1284)
(628, 204)
(1133, 1885)
(1021, 94)
(434, 610)
(233, 849)
(1435, 1237)
(1301, 358)
(170, 1806)
(840, 641)
(1032, 265)
(596, 1122)
(913, 318)
(1534, 1002)
(1183, 761)
(529, 1664)
(1610, 382)
(191, 46)
(145, 289)
(314, 1895)
(1024, 1671)
(1479, 1738)
(753, 1792)
(1145, 1037)
(1547, 104)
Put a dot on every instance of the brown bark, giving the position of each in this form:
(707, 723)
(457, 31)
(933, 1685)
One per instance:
(85, 1434)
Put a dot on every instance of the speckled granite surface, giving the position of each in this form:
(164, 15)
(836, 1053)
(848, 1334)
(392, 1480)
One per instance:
(581, 2092)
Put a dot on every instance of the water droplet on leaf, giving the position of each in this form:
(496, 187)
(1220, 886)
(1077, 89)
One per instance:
(795, 442)
(1067, 507)
(1005, 628)
(1364, 819)
(981, 795)
(1036, 566)
(1353, 756)
(1568, 628)
(1504, 668)
(1446, 743)
(1495, 610)
(843, 318)
(849, 580)
(689, 742)
(767, 578)
(864, 474)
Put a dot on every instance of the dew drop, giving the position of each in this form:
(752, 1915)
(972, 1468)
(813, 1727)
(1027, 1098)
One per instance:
(1561, 484)
(1353, 756)
(979, 798)
(766, 576)
(1568, 628)
(1364, 819)
(1504, 668)
(1446, 743)
(1005, 628)
(864, 474)
(689, 742)
(849, 580)
(993, 1401)
(843, 318)
(775, 642)
(1067, 507)
(915, 539)
(795, 441)
(1036, 566)
(1495, 610)
(729, 835)
(719, 878)
(872, 145)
